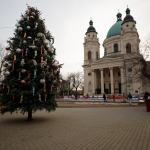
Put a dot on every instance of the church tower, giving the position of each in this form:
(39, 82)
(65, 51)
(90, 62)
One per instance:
(91, 45)
(91, 55)
(129, 35)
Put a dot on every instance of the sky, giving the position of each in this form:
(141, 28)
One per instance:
(68, 21)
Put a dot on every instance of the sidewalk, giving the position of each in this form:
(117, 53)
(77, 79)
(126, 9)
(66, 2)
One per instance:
(103, 128)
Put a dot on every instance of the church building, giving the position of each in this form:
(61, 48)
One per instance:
(111, 73)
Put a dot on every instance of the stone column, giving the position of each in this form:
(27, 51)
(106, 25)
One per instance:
(93, 81)
(102, 81)
(112, 46)
(112, 80)
(122, 79)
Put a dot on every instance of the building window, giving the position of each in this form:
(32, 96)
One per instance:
(89, 74)
(116, 48)
(109, 74)
(97, 55)
(129, 69)
(93, 35)
(89, 35)
(118, 73)
(128, 48)
(103, 74)
(89, 55)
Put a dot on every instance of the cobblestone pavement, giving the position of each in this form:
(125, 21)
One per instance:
(104, 128)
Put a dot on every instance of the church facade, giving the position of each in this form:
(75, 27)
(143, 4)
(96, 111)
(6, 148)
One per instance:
(111, 74)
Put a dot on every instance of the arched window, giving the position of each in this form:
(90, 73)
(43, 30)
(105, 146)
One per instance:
(116, 48)
(97, 55)
(89, 55)
(128, 48)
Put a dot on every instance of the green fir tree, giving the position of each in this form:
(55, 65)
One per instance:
(31, 74)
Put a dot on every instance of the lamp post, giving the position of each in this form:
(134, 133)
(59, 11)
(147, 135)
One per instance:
(68, 87)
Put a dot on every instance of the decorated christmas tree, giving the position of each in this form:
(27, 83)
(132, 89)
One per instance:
(31, 72)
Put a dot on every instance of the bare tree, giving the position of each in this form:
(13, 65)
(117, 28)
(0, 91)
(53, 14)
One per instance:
(137, 64)
(3, 53)
(75, 80)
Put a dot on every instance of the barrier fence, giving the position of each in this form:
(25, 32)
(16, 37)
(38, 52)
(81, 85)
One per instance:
(116, 98)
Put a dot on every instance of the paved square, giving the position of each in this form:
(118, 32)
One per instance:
(110, 128)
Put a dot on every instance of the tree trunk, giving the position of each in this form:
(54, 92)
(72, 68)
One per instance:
(29, 116)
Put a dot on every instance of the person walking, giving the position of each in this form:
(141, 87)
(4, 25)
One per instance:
(130, 97)
(123, 97)
(104, 96)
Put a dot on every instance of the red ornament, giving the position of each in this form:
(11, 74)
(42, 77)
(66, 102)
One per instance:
(53, 64)
(23, 81)
(31, 17)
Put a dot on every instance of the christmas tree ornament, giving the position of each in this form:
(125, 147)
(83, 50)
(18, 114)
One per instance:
(52, 87)
(55, 71)
(45, 97)
(18, 50)
(28, 27)
(53, 65)
(13, 86)
(32, 46)
(35, 54)
(42, 59)
(24, 35)
(42, 81)
(36, 24)
(33, 89)
(52, 72)
(39, 34)
(8, 89)
(45, 87)
(21, 100)
(23, 71)
(31, 17)
(23, 81)
(40, 97)
(26, 52)
(45, 52)
(33, 13)
(19, 76)
(34, 62)
(41, 49)
(5, 64)
(60, 81)
(29, 37)
(24, 41)
(27, 18)
(20, 29)
(14, 57)
(3, 86)
(22, 62)
(7, 73)
(13, 65)
(22, 52)
(28, 12)
(44, 74)
(35, 70)
(8, 47)
(52, 40)
(29, 74)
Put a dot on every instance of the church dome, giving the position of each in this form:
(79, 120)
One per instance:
(91, 28)
(128, 17)
(116, 28)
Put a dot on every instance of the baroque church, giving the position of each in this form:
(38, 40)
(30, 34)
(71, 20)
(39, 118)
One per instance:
(111, 73)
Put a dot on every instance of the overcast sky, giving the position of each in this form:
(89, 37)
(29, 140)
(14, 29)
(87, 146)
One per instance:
(68, 21)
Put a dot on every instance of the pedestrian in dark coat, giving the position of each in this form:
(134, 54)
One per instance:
(104, 96)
